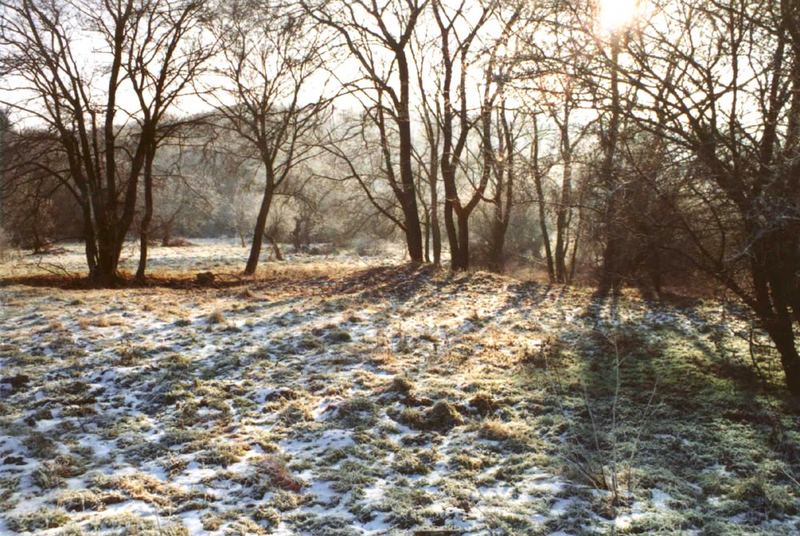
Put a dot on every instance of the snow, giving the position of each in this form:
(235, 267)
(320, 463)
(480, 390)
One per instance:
(272, 408)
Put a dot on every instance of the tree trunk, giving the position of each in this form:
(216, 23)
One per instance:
(611, 271)
(498, 233)
(461, 260)
(773, 266)
(105, 238)
(297, 234)
(450, 225)
(275, 248)
(781, 332)
(561, 220)
(108, 252)
(436, 233)
(261, 224)
(144, 231)
(409, 201)
(497, 260)
(537, 183)
(166, 237)
(611, 275)
(436, 238)
(414, 235)
(537, 179)
(505, 176)
(427, 236)
(90, 242)
(573, 261)
(502, 217)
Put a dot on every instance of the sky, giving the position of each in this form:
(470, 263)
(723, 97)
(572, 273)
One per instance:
(613, 15)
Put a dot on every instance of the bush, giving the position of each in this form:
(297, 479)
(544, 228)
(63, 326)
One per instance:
(5, 245)
(368, 247)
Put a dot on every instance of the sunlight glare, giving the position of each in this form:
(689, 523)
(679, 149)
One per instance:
(614, 15)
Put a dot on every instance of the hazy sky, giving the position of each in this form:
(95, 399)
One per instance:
(88, 49)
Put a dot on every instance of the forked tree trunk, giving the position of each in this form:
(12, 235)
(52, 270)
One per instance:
(276, 250)
(105, 237)
(108, 252)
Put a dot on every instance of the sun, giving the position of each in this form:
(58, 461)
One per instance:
(614, 15)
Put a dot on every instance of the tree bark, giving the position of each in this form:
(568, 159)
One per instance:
(409, 201)
(537, 181)
(780, 330)
(436, 232)
(563, 206)
(261, 224)
(276, 250)
(144, 231)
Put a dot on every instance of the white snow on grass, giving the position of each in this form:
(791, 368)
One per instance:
(304, 402)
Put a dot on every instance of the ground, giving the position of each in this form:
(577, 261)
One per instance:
(339, 395)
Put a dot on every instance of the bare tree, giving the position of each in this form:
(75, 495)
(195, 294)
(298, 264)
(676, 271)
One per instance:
(538, 169)
(33, 173)
(570, 135)
(377, 36)
(456, 57)
(269, 60)
(161, 67)
(727, 105)
(43, 45)
(503, 179)
(428, 159)
(612, 270)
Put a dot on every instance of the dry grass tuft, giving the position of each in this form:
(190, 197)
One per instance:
(495, 430)
(217, 317)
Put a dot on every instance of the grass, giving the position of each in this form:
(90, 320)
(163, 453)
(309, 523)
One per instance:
(442, 416)
(405, 399)
(41, 519)
(495, 430)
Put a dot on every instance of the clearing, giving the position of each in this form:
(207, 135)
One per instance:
(343, 395)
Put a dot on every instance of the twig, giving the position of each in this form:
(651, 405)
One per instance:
(53, 268)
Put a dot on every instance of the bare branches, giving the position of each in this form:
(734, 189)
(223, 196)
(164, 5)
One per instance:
(270, 69)
(377, 36)
(142, 47)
